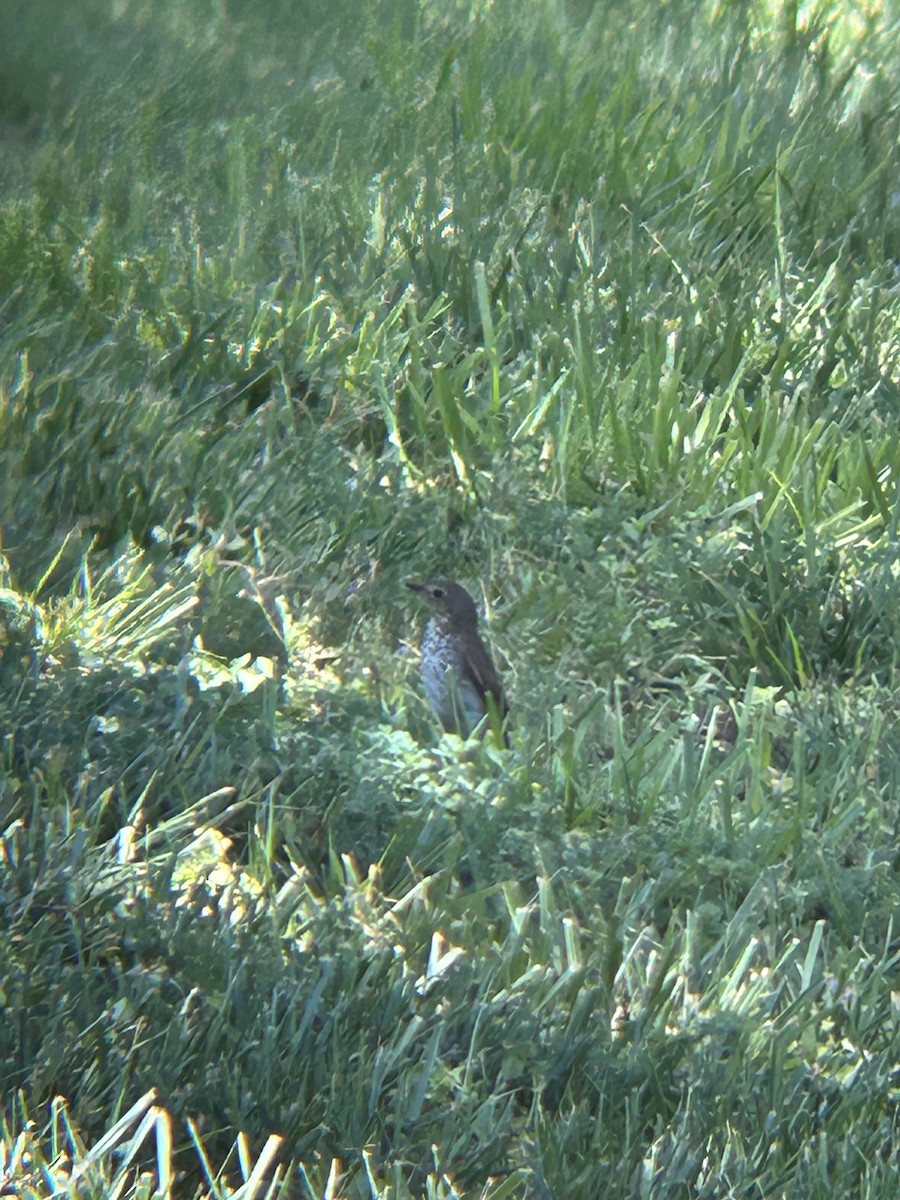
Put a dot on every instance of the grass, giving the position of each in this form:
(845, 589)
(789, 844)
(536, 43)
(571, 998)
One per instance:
(594, 308)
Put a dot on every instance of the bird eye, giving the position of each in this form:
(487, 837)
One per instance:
(437, 592)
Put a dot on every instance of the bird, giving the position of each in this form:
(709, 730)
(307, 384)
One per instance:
(458, 673)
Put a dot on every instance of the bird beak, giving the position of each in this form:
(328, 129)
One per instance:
(414, 586)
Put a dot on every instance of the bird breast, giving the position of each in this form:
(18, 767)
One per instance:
(452, 695)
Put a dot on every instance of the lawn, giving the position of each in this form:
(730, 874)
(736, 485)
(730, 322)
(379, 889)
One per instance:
(594, 308)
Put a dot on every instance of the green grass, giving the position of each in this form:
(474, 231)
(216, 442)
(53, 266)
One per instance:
(595, 308)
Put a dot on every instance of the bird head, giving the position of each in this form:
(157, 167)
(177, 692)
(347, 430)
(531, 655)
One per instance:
(450, 603)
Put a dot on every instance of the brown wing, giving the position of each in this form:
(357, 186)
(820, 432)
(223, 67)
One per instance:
(479, 667)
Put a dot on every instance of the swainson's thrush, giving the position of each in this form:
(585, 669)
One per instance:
(458, 673)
